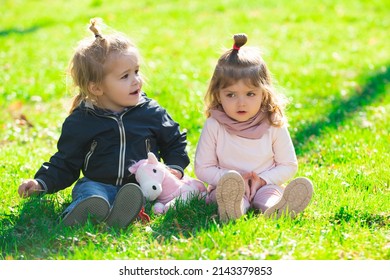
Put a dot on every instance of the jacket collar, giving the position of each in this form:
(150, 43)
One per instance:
(87, 105)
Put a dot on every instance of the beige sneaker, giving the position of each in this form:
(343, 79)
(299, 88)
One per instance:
(230, 196)
(294, 200)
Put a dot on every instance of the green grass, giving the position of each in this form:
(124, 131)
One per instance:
(331, 58)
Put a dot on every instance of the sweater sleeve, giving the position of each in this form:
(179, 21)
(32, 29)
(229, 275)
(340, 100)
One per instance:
(207, 167)
(285, 160)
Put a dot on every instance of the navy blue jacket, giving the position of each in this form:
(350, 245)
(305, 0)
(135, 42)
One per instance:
(102, 145)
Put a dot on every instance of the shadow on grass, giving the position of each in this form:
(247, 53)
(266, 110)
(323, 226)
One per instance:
(23, 31)
(33, 231)
(28, 226)
(18, 31)
(185, 220)
(362, 218)
(363, 96)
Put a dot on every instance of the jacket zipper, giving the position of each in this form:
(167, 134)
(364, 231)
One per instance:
(89, 154)
(148, 146)
(122, 149)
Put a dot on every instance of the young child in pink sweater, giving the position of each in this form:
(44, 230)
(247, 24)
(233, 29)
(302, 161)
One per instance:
(245, 153)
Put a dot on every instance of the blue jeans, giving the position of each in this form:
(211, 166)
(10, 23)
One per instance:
(85, 188)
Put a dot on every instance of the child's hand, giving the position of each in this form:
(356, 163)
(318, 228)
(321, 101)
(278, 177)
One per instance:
(253, 184)
(257, 183)
(247, 179)
(29, 187)
(175, 172)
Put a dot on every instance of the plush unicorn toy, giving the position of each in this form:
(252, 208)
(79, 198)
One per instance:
(160, 185)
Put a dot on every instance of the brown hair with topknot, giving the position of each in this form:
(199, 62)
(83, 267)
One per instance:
(245, 63)
(239, 40)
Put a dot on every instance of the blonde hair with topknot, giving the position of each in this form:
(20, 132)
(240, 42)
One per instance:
(87, 63)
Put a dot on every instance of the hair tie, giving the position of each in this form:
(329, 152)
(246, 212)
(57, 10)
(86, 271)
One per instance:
(236, 47)
(98, 36)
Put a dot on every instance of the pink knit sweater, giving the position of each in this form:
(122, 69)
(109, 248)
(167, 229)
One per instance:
(272, 157)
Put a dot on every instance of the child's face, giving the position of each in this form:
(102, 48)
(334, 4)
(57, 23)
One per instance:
(122, 83)
(241, 101)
